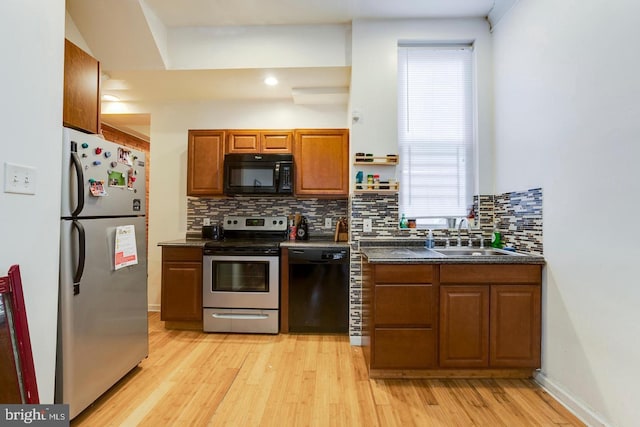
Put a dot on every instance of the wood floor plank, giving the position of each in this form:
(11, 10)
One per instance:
(196, 379)
(453, 410)
(474, 404)
(498, 401)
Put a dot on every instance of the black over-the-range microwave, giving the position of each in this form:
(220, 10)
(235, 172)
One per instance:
(258, 174)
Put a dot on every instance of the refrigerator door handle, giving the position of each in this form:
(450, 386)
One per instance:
(80, 184)
(81, 257)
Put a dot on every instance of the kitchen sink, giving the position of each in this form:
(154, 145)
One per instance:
(461, 251)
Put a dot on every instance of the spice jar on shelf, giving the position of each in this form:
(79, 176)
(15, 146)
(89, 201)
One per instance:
(369, 181)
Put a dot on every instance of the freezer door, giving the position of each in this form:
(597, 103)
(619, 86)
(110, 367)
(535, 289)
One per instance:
(102, 330)
(101, 178)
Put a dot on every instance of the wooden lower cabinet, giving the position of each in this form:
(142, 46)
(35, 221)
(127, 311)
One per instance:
(181, 294)
(404, 348)
(514, 339)
(451, 319)
(402, 328)
(464, 326)
(491, 317)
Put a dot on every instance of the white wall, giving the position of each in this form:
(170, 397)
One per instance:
(374, 82)
(72, 33)
(567, 119)
(168, 181)
(277, 46)
(32, 46)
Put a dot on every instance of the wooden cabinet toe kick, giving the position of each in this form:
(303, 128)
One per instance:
(449, 373)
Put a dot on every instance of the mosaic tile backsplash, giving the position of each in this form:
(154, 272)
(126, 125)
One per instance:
(520, 219)
(316, 210)
(518, 215)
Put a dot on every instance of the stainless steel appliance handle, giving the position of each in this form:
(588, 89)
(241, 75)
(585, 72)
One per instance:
(81, 256)
(239, 316)
(80, 184)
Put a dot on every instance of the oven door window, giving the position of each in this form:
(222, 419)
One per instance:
(240, 276)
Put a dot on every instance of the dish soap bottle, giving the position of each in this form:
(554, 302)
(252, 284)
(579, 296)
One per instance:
(430, 242)
(496, 238)
(403, 222)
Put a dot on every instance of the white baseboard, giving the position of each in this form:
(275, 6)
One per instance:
(355, 341)
(153, 307)
(578, 408)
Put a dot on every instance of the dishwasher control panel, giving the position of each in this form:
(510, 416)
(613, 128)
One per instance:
(334, 255)
(321, 255)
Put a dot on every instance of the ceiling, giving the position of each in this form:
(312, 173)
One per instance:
(278, 12)
(134, 40)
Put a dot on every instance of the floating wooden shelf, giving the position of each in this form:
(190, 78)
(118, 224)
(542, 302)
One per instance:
(376, 160)
(377, 188)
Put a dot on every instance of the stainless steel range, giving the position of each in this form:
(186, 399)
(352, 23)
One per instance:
(241, 276)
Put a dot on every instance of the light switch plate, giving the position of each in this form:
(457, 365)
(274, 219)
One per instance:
(19, 179)
(366, 225)
(206, 221)
(327, 223)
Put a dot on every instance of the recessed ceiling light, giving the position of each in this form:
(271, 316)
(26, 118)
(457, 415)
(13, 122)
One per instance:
(271, 81)
(107, 97)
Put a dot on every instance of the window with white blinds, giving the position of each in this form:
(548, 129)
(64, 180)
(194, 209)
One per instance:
(436, 132)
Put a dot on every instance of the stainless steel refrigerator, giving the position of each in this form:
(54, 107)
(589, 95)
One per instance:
(102, 315)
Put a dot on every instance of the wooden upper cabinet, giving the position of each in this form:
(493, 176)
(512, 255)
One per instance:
(243, 141)
(81, 102)
(205, 162)
(276, 141)
(259, 141)
(322, 162)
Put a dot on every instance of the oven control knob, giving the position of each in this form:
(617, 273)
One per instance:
(275, 222)
(235, 221)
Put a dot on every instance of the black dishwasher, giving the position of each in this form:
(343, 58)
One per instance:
(319, 290)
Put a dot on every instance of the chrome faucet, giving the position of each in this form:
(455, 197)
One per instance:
(459, 242)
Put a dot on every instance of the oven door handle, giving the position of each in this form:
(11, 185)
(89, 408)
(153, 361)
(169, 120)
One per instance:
(239, 316)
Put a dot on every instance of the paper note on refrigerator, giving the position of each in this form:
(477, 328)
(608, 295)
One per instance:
(126, 252)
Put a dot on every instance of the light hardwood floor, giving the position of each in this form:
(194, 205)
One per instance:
(197, 379)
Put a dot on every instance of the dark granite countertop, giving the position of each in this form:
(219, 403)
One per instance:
(189, 242)
(321, 241)
(412, 251)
